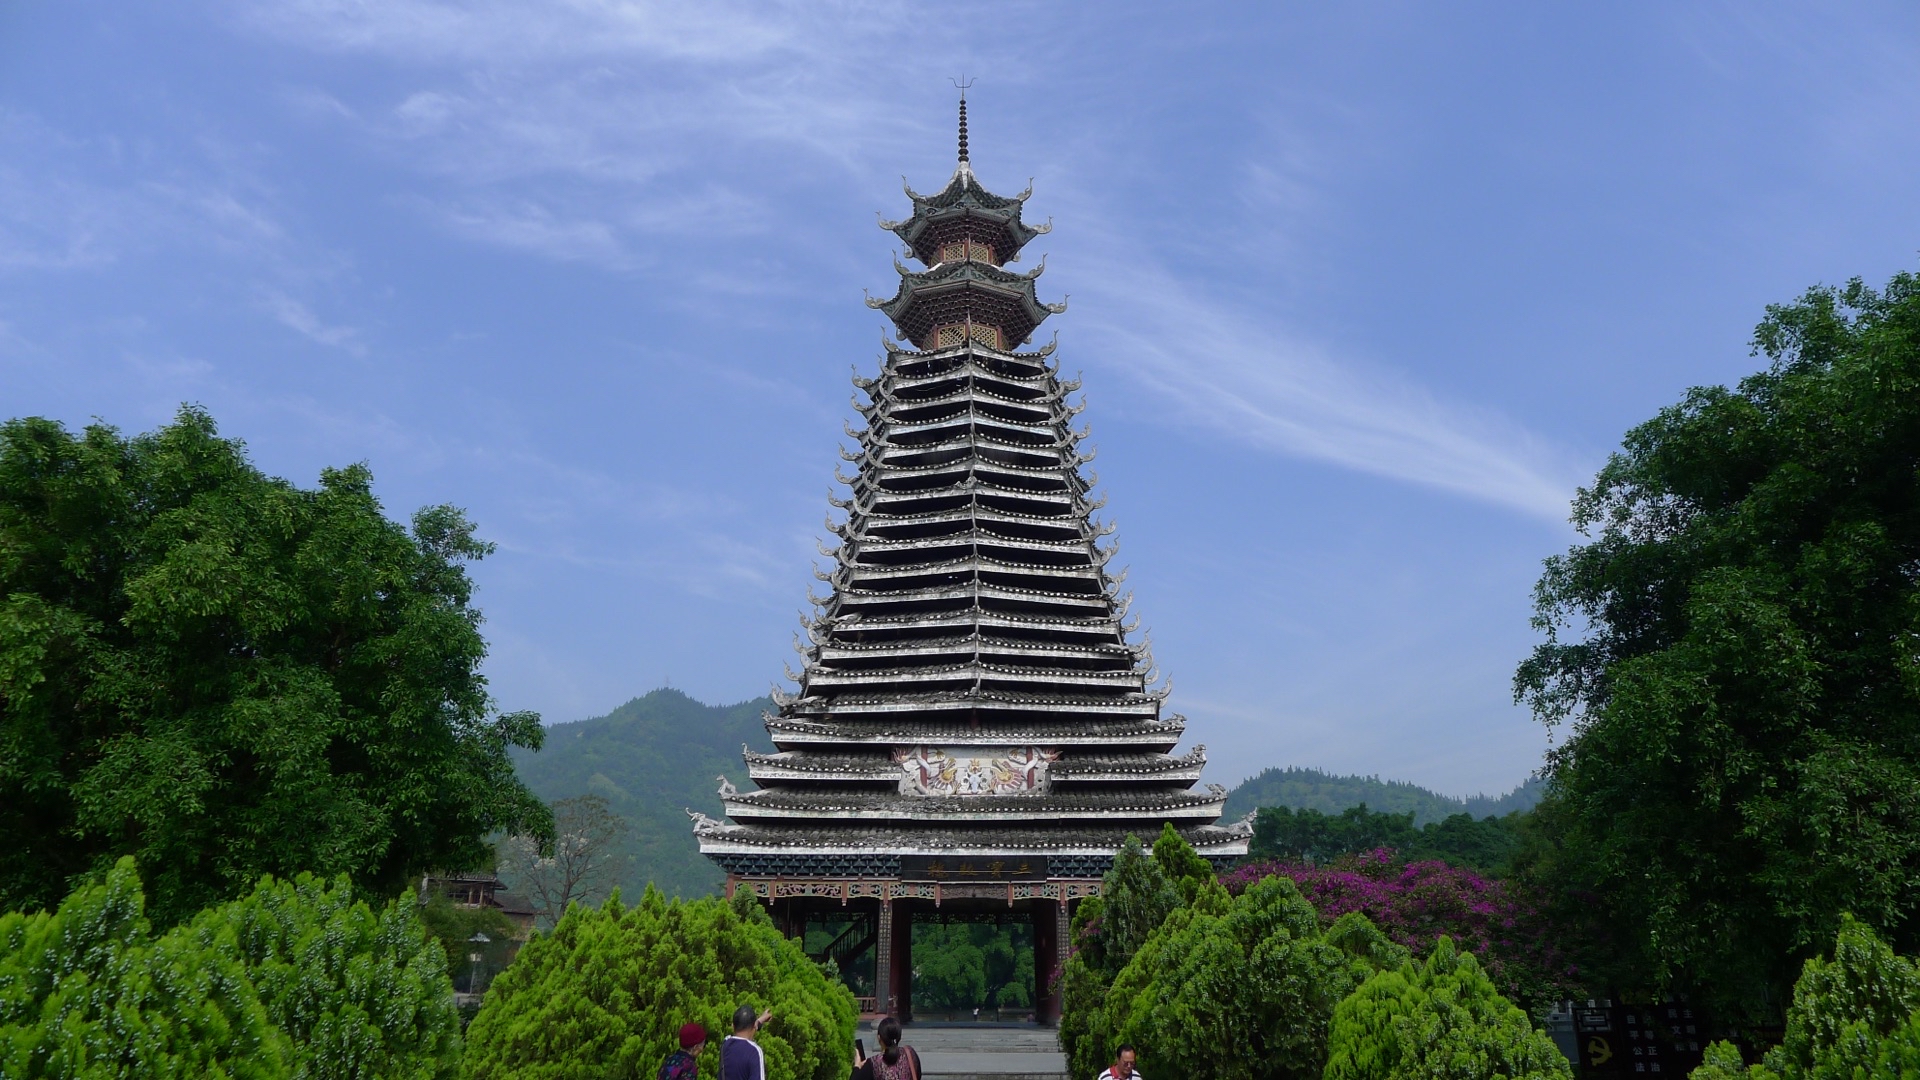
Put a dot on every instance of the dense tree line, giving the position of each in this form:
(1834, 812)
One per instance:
(1733, 658)
(1486, 844)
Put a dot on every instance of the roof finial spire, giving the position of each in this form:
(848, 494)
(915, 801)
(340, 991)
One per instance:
(963, 113)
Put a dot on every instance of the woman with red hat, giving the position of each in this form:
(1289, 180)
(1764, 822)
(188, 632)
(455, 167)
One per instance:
(681, 1064)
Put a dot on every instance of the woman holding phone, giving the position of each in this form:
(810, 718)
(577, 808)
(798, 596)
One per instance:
(893, 1062)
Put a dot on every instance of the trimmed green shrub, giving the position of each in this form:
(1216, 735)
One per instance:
(1854, 1016)
(604, 994)
(296, 980)
(86, 991)
(1440, 1018)
(359, 994)
(1234, 988)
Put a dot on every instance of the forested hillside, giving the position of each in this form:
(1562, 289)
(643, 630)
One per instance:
(652, 759)
(1311, 789)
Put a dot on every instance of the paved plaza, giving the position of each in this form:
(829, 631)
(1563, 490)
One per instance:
(962, 1051)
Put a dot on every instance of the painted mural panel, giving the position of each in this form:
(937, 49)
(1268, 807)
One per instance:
(973, 770)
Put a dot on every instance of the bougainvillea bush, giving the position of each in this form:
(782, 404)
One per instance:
(1416, 903)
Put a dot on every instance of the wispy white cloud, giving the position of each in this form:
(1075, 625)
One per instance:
(1224, 369)
(299, 318)
(525, 225)
(574, 132)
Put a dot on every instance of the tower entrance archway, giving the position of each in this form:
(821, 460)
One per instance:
(870, 929)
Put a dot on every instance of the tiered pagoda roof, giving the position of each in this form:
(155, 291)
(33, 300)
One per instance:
(972, 682)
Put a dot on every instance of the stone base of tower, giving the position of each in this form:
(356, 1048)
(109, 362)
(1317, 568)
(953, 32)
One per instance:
(885, 910)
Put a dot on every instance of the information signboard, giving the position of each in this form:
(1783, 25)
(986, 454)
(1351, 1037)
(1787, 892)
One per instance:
(973, 868)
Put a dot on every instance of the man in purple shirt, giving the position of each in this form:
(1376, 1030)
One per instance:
(740, 1056)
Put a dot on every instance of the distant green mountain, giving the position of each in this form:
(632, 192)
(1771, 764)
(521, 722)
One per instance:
(653, 758)
(1312, 789)
(658, 756)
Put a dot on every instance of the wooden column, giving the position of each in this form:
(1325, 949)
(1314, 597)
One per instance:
(1049, 930)
(901, 987)
(883, 957)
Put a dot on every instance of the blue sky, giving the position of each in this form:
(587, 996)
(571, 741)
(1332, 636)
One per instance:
(1360, 294)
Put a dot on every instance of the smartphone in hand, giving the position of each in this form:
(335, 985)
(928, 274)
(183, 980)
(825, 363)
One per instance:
(859, 1051)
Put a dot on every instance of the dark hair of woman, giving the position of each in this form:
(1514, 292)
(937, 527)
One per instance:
(889, 1033)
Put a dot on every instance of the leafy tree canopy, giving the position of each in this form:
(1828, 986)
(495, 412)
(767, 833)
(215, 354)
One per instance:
(1442, 1017)
(1735, 653)
(967, 965)
(605, 993)
(225, 675)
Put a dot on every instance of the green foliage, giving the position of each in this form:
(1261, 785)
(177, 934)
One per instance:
(604, 994)
(1734, 652)
(359, 994)
(1440, 1018)
(225, 675)
(86, 991)
(1138, 896)
(297, 979)
(1185, 869)
(1487, 845)
(1243, 994)
(652, 759)
(1216, 986)
(1312, 789)
(967, 965)
(453, 925)
(1856, 1015)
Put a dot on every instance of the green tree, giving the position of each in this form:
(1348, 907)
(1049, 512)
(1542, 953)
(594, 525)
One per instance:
(605, 992)
(1441, 1017)
(1485, 844)
(949, 968)
(966, 965)
(226, 676)
(1734, 653)
(1136, 897)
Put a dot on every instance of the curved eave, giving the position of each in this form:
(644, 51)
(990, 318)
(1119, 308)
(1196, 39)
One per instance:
(965, 197)
(749, 840)
(973, 811)
(968, 275)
